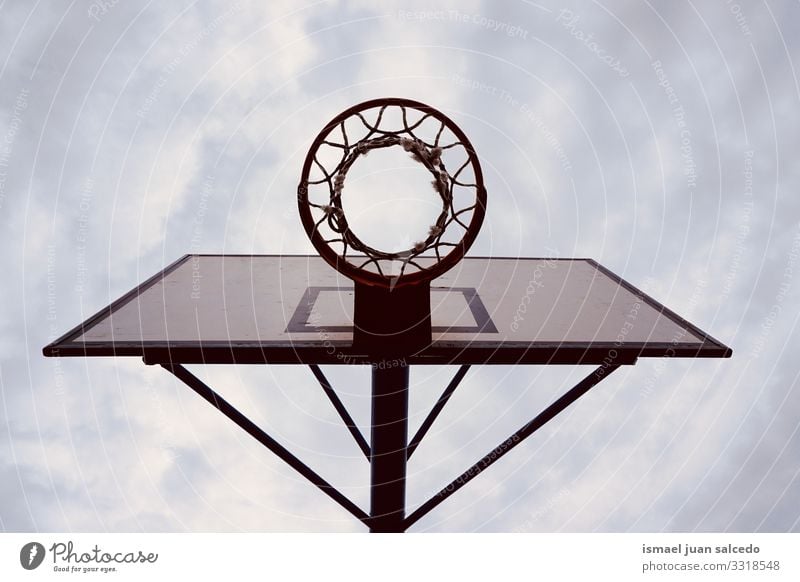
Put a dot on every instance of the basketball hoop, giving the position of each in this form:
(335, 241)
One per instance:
(428, 136)
(286, 309)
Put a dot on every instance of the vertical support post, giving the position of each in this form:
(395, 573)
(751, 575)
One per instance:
(388, 449)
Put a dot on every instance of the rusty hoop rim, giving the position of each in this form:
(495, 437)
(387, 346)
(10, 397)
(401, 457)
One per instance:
(361, 275)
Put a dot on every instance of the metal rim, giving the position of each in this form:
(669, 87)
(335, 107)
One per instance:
(332, 217)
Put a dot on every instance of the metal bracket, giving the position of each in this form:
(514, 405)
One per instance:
(253, 430)
(436, 410)
(498, 452)
(340, 408)
(389, 456)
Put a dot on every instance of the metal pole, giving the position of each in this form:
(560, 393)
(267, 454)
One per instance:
(388, 448)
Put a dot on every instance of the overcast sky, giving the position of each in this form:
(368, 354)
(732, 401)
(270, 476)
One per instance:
(657, 138)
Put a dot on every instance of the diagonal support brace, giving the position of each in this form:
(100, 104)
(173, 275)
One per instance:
(436, 410)
(340, 408)
(489, 459)
(253, 430)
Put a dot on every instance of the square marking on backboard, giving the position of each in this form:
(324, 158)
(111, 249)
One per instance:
(453, 310)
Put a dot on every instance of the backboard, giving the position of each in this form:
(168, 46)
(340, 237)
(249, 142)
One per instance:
(289, 309)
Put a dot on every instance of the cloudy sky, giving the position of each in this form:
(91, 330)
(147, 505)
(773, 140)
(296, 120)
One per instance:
(657, 138)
